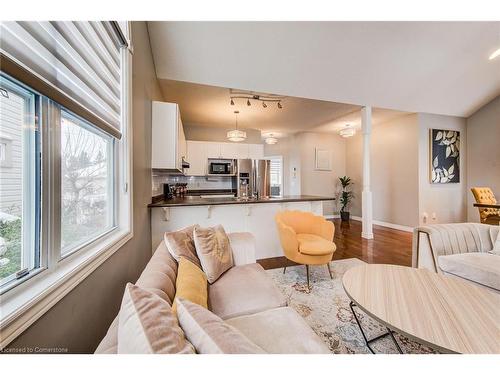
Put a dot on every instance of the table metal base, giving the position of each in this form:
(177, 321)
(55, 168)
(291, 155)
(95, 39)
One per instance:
(368, 341)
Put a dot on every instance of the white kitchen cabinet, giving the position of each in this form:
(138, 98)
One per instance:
(229, 150)
(242, 150)
(213, 150)
(168, 143)
(197, 157)
(255, 151)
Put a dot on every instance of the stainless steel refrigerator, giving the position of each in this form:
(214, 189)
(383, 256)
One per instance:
(253, 178)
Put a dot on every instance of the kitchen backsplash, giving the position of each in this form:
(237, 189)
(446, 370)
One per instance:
(194, 183)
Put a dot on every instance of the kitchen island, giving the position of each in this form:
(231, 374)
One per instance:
(255, 216)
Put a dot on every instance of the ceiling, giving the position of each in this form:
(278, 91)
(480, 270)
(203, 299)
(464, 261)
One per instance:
(209, 106)
(434, 67)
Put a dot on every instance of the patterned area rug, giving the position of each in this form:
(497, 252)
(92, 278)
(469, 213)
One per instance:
(326, 310)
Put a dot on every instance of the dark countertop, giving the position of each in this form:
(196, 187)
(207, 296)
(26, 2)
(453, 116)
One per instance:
(198, 201)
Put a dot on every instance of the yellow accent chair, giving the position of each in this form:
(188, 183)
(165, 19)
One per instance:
(487, 215)
(306, 238)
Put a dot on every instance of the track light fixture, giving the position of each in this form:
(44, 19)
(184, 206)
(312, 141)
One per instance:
(250, 95)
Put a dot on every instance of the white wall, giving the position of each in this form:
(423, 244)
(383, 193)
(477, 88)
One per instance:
(446, 201)
(394, 170)
(483, 153)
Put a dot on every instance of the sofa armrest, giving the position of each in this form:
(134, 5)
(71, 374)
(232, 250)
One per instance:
(432, 241)
(243, 245)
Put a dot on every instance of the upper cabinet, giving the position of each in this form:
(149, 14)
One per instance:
(199, 152)
(168, 142)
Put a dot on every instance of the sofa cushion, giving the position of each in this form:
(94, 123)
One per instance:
(481, 268)
(146, 325)
(280, 331)
(311, 244)
(209, 334)
(181, 244)
(160, 274)
(214, 251)
(191, 284)
(243, 290)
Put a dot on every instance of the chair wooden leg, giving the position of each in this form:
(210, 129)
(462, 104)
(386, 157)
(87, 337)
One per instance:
(284, 269)
(307, 273)
(329, 270)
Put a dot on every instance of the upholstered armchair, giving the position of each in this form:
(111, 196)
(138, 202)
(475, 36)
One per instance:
(306, 238)
(487, 215)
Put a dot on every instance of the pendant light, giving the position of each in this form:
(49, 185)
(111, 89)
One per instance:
(347, 131)
(236, 135)
(271, 140)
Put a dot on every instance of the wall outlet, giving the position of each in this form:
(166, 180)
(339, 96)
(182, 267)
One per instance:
(434, 217)
(425, 216)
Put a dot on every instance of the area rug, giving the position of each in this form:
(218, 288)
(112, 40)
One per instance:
(326, 309)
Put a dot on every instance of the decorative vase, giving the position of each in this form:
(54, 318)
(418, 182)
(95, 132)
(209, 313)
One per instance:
(344, 215)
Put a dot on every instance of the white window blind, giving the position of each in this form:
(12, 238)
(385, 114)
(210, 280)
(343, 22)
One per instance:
(76, 63)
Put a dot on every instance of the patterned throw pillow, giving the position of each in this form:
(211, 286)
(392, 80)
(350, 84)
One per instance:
(146, 325)
(210, 334)
(214, 251)
(180, 243)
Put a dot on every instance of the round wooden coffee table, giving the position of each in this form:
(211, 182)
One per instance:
(444, 313)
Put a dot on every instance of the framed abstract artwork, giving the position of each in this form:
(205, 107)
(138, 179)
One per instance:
(444, 156)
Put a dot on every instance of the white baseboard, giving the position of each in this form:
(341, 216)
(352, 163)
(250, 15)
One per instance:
(403, 228)
(331, 216)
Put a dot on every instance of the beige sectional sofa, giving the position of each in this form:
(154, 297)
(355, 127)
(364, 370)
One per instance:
(245, 297)
(464, 250)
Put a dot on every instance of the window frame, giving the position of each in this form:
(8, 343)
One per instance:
(30, 214)
(281, 184)
(112, 162)
(29, 298)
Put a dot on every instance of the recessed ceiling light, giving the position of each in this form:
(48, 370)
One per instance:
(495, 54)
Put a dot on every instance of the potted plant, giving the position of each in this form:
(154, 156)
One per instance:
(345, 197)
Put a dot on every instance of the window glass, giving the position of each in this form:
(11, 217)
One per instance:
(87, 199)
(276, 176)
(19, 181)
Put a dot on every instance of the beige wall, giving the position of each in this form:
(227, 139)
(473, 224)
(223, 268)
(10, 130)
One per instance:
(446, 201)
(299, 174)
(80, 320)
(394, 174)
(483, 153)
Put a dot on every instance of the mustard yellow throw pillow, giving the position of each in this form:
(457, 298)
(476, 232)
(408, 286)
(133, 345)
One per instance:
(191, 284)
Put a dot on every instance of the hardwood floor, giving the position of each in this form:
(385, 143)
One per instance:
(389, 246)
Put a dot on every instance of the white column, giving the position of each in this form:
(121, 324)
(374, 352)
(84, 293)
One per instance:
(366, 197)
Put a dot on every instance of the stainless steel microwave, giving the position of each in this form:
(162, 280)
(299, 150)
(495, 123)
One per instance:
(221, 167)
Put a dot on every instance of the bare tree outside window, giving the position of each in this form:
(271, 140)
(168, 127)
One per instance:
(87, 203)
